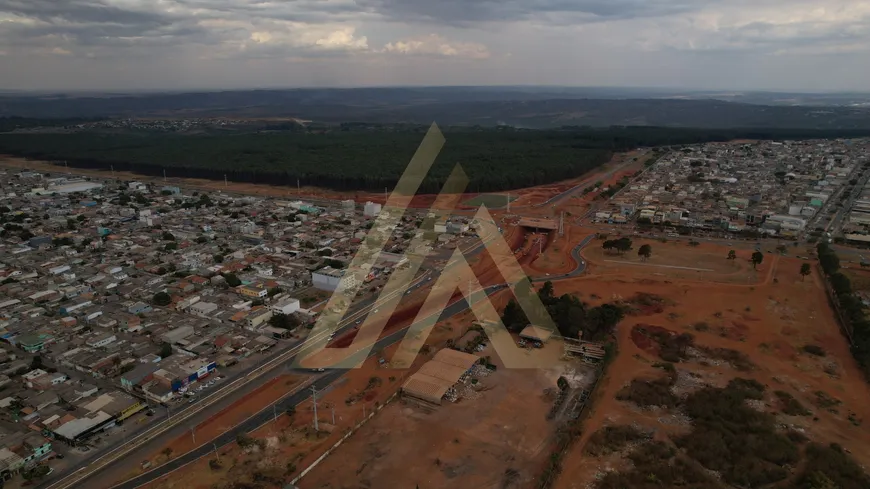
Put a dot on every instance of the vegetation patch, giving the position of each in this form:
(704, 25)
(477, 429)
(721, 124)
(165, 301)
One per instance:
(738, 360)
(735, 440)
(613, 438)
(658, 465)
(849, 308)
(647, 393)
(672, 347)
(789, 405)
(824, 401)
(573, 318)
(740, 444)
(830, 467)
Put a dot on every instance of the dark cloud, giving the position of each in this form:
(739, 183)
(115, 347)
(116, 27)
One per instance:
(465, 12)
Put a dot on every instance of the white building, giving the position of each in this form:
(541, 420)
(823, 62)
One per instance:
(328, 278)
(287, 306)
(202, 309)
(371, 209)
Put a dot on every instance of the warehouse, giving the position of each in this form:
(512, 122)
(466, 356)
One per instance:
(536, 334)
(437, 376)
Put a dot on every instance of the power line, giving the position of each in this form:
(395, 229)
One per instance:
(314, 399)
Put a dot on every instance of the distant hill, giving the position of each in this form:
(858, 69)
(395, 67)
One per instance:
(529, 107)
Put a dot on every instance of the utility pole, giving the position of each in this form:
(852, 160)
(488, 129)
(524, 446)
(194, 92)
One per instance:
(275, 412)
(193, 434)
(314, 398)
(298, 187)
(113, 171)
(226, 183)
(216, 454)
(333, 415)
(509, 204)
(164, 175)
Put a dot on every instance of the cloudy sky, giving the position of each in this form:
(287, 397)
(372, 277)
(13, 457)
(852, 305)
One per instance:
(186, 44)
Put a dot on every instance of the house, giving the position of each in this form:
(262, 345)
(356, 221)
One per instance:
(102, 340)
(10, 463)
(139, 308)
(34, 342)
(141, 374)
(252, 291)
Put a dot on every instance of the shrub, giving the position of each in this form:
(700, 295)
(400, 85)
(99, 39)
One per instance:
(829, 466)
(646, 393)
(789, 405)
(814, 350)
(825, 401)
(613, 438)
(730, 437)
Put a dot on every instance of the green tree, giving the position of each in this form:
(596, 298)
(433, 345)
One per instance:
(167, 236)
(165, 350)
(757, 258)
(732, 255)
(218, 258)
(805, 270)
(162, 299)
(232, 280)
(645, 252)
(284, 321)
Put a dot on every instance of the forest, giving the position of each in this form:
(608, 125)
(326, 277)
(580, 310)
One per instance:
(368, 159)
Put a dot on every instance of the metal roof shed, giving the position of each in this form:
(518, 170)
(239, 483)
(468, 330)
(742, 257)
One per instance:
(536, 333)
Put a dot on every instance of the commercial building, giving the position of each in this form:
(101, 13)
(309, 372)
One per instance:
(328, 278)
(286, 306)
(371, 209)
(437, 376)
(252, 292)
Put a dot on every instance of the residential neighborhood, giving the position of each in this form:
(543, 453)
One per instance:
(124, 302)
(780, 189)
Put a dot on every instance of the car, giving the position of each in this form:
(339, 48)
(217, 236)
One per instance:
(192, 400)
(60, 456)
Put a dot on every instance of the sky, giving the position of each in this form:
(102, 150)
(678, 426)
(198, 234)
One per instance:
(810, 45)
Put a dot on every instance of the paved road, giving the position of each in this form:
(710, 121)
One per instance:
(151, 438)
(329, 377)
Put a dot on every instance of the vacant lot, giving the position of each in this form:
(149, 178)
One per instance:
(491, 201)
(677, 260)
(780, 333)
(499, 438)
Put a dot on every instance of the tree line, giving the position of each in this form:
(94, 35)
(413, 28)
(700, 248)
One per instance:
(851, 308)
(349, 159)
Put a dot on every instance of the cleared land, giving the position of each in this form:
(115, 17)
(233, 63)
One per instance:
(491, 201)
(677, 260)
(756, 332)
(498, 437)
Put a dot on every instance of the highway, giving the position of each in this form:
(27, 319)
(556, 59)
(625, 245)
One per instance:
(152, 438)
(208, 405)
(325, 379)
